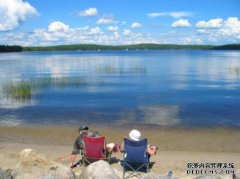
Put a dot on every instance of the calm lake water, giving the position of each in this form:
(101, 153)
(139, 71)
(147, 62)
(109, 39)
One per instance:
(166, 88)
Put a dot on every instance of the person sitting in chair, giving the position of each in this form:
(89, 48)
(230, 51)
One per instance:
(135, 135)
(79, 144)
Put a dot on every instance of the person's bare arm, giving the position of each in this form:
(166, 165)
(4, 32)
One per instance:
(152, 150)
(122, 148)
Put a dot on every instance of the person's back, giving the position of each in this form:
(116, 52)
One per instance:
(93, 134)
(79, 144)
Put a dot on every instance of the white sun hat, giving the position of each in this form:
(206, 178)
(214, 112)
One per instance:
(135, 135)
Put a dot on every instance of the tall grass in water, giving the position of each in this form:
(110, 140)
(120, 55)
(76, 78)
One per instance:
(24, 90)
(131, 70)
(235, 71)
(19, 91)
(59, 82)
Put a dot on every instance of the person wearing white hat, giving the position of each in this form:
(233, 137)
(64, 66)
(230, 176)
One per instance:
(135, 135)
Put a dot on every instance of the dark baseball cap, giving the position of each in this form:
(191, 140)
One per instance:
(81, 128)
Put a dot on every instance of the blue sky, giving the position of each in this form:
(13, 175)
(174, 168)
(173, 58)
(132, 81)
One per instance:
(53, 22)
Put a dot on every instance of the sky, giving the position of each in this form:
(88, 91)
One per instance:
(116, 22)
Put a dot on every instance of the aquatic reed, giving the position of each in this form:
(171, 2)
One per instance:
(24, 90)
(20, 91)
(131, 70)
(57, 82)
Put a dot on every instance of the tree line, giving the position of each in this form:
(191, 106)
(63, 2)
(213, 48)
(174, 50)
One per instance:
(146, 46)
(143, 46)
(116, 47)
(8, 48)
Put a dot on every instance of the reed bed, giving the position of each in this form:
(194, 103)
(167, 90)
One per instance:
(236, 71)
(20, 91)
(132, 70)
(58, 82)
(24, 90)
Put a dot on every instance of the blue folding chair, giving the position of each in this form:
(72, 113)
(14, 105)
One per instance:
(135, 157)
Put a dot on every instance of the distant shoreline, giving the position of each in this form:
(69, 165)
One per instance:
(96, 47)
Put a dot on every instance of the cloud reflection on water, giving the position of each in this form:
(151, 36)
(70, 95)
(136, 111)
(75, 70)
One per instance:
(219, 69)
(160, 115)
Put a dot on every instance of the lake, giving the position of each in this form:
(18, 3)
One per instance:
(193, 88)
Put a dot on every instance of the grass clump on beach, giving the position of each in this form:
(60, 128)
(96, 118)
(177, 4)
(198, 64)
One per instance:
(20, 91)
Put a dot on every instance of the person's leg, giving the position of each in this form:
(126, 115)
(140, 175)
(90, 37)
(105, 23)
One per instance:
(75, 152)
(72, 159)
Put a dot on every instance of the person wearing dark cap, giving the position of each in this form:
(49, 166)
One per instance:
(79, 144)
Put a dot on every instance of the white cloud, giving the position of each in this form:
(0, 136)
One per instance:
(136, 25)
(181, 23)
(112, 28)
(232, 22)
(82, 28)
(180, 14)
(231, 27)
(88, 12)
(105, 21)
(57, 26)
(191, 40)
(14, 12)
(116, 35)
(175, 14)
(60, 33)
(213, 23)
(180, 37)
(156, 14)
(221, 30)
(202, 31)
(127, 32)
(95, 31)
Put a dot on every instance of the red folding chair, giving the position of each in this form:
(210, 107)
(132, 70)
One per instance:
(94, 149)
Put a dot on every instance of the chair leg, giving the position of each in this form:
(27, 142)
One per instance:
(84, 163)
(148, 168)
(123, 170)
(87, 162)
(109, 159)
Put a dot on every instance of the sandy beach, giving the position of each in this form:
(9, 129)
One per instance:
(178, 146)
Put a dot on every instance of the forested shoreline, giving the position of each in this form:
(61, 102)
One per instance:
(147, 46)
(13, 48)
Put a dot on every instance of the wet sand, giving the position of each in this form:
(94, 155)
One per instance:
(178, 146)
(168, 139)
